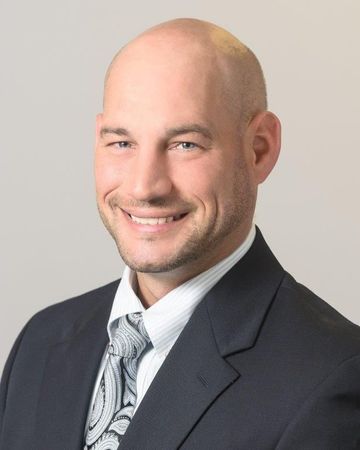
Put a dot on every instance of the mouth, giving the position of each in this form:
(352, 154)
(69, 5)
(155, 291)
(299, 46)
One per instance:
(155, 220)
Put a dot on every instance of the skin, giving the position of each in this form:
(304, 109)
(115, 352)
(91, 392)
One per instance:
(185, 133)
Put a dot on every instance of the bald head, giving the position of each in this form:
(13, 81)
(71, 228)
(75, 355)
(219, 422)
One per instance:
(205, 48)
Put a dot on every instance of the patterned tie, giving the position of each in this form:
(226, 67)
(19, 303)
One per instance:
(116, 396)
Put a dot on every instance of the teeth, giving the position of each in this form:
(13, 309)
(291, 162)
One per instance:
(153, 220)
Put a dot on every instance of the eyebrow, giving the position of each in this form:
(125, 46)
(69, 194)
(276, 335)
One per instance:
(189, 128)
(170, 132)
(110, 130)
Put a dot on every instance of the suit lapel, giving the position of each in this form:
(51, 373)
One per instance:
(238, 304)
(190, 379)
(69, 378)
(197, 371)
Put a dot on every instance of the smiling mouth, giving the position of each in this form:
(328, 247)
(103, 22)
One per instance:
(155, 220)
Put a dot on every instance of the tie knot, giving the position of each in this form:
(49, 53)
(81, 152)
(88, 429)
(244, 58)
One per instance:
(130, 337)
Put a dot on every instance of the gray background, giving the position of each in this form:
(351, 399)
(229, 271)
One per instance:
(53, 58)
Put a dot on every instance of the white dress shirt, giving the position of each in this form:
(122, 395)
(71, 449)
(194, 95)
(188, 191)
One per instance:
(164, 320)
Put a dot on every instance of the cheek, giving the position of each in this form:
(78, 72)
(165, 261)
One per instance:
(205, 184)
(107, 176)
(232, 185)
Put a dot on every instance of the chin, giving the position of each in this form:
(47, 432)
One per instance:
(143, 261)
(149, 266)
(157, 265)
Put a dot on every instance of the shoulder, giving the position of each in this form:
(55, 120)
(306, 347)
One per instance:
(77, 304)
(70, 313)
(316, 326)
(58, 322)
(321, 380)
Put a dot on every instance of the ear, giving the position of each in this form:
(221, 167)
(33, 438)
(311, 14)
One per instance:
(264, 133)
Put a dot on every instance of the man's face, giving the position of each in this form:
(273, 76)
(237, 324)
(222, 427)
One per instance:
(173, 175)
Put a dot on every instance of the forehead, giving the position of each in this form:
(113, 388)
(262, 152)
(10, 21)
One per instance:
(159, 76)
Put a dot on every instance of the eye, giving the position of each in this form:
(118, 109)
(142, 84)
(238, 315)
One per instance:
(186, 146)
(120, 144)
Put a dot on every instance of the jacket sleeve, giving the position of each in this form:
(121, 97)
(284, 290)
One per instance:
(5, 377)
(330, 417)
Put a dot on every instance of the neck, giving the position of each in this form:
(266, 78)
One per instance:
(151, 287)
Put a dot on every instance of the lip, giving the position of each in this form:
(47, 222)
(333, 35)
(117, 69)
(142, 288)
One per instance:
(147, 214)
(156, 228)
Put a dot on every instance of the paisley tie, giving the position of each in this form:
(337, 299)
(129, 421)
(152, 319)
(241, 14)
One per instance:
(115, 399)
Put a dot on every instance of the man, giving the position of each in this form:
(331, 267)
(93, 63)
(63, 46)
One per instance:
(206, 343)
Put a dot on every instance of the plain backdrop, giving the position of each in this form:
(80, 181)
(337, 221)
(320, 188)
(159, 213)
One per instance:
(53, 59)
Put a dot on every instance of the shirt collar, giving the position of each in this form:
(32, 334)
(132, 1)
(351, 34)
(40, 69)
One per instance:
(165, 320)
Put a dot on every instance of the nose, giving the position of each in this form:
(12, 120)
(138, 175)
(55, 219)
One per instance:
(149, 178)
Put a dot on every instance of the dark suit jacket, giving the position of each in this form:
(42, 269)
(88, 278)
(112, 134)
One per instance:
(262, 364)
